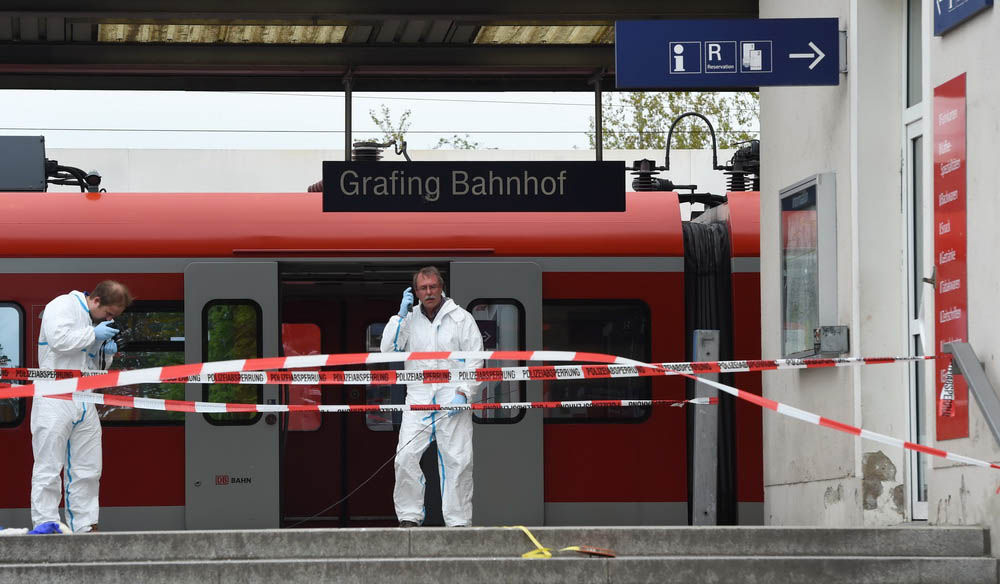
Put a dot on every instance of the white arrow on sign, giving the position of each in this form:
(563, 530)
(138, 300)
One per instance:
(818, 55)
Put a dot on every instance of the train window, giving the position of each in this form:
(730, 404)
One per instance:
(11, 355)
(298, 339)
(615, 327)
(152, 335)
(382, 394)
(501, 322)
(233, 329)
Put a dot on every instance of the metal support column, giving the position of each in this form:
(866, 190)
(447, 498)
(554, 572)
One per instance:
(598, 119)
(705, 464)
(348, 83)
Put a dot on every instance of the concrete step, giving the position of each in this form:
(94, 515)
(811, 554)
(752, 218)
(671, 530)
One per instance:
(909, 555)
(622, 570)
(480, 542)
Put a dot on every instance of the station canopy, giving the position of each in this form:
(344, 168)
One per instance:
(315, 45)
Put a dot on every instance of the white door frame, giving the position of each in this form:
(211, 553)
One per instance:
(919, 296)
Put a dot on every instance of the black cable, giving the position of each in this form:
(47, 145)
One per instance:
(373, 131)
(377, 470)
(419, 433)
(367, 480)
(448, 100)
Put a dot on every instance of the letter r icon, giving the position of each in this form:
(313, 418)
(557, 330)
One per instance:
(714, 51)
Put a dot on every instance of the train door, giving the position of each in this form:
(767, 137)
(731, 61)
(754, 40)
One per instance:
(506, 300)
(231, 471)
(337, 468)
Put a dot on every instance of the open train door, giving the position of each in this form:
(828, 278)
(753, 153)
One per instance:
(232, 467)
(506, 300)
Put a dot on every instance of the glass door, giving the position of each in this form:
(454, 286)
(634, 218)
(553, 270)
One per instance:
(918, 296)
(914, 82)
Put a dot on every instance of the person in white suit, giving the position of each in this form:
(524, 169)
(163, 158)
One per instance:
(437, 324)
(76, 334)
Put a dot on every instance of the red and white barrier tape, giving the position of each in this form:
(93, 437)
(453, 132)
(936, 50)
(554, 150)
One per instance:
(390, 377)
(117, 378)
(160, 374)
(793, 412)
(168, 405)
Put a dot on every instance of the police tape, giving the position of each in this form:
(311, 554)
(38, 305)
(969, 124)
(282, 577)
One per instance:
(392, 377)
(160, 374)
(793, 412)
(116, 378)
(144, 403)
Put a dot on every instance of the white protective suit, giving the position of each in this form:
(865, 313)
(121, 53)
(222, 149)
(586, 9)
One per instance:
(453, 329)
(66, 435)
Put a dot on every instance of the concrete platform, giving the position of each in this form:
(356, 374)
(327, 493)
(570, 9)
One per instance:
(385, 555)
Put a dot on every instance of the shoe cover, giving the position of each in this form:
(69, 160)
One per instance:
(51, 527)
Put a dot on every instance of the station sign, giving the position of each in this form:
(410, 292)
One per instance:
(726, 54)
(950, 13)
(951, 304)
(473, 186)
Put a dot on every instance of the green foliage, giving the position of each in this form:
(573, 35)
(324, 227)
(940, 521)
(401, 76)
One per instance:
(391, 130)
(232, 335)
(138, 326)
(641, 120)
(150, 326)
(457, 142)
(141, 360)
(4, 359)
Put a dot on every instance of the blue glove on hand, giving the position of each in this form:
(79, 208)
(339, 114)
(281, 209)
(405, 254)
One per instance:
(104, 331)
(458, 399)
(111, 347)
(406, 302)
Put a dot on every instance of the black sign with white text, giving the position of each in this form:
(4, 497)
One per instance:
(473, 186)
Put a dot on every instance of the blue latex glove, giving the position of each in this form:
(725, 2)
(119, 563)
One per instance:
(104, 331)
(458, 399)
(406, 302)
(111, 347)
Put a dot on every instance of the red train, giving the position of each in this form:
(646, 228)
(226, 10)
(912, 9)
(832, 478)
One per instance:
(221, 276)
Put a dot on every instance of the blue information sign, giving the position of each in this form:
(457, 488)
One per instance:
(950, 13)
(703, 54)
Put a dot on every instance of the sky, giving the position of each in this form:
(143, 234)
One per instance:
(273, 120)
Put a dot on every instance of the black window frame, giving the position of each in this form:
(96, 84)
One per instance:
(522, 385)
(170, 306)
(400, 398)
(231, 418)
(647, 315)
(21, 403)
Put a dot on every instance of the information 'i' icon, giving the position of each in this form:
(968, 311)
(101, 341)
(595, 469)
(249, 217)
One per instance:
(679, 58)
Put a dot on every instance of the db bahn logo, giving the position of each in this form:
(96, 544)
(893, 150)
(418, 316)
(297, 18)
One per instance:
(224, 480)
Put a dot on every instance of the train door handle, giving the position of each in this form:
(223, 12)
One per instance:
(271, 419)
